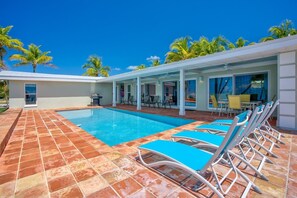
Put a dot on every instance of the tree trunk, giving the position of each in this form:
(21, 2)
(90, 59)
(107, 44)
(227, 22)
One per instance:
(34, 68)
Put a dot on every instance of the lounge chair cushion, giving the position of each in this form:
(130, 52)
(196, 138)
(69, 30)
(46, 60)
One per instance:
(201, 136)
(214, 127)
(186, 155)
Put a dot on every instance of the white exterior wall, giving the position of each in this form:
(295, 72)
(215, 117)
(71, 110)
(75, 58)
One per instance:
(287, 93)
(51, 95)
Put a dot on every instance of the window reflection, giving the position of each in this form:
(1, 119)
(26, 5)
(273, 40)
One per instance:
(190, 93)
(30, 94)
(220, 87)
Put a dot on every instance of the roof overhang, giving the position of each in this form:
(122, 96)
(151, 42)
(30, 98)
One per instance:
(26, 76)
(257, 51)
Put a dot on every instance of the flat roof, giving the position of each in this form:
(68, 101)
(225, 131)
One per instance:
(252, 52)
(28, 76)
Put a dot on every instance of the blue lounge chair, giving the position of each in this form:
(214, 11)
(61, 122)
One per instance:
(206, 140)
(197, 161)
(260, 136)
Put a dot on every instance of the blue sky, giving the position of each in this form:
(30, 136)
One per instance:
(126, 33)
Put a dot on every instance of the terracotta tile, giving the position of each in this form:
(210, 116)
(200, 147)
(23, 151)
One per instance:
(4, 169)
(126, 187)
(161, 187)
(105, 167)
(7, 189)
(113, 155)
(7, 178)
(30, 157)
(77, 166)
(143, 193)
(34, 162)
(57, 172)
(60, 182)
(52, 158)
(69, 148)
(92, 185)
(115, 176)
(30, 181)
(104, 193)
(30, 171)
(145, 177)
(91, 154)
(36, 191)
(53, 164)
(98, 160)
(70, 191)
(84, 174)
(72, 156)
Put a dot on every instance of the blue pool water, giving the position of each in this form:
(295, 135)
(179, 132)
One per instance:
(113, 126)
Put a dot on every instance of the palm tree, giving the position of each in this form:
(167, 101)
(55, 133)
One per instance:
(33, 56)
(180, 49)
(204, 47)
(4, 91)
(7, 42)
(140, 67)
(286, 28)
(95, 67)
(240, 42)
(156, 62)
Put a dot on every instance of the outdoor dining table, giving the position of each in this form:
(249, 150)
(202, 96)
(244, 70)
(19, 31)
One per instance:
(251, 104)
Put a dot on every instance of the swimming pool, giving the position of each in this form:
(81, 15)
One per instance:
(114, 126)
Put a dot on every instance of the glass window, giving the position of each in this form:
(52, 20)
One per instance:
(220, 87)
(254, 84)
(190, 93)
(170, 92)
(30, 94)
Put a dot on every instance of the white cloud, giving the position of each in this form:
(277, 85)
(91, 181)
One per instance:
(117, 69)
(131, 67)
(152, 58)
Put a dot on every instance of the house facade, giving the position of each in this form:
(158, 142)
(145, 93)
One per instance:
(266, 71)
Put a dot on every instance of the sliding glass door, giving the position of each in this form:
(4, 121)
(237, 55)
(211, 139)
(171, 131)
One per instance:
(254, 84)
(170, 91)
(220, 87)
(190, 93)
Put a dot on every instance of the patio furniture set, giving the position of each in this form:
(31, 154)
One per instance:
(232, 142)
(149, 101)
(234, 104)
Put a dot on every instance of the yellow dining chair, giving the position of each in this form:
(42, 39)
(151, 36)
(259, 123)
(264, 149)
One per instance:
(234, 104)
(215, 104)
(246, 98)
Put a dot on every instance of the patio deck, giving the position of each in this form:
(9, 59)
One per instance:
(48, 156)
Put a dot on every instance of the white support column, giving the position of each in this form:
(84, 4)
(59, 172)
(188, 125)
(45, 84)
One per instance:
(287, 90)
(182, 92)
(114, 88)
(138, 93)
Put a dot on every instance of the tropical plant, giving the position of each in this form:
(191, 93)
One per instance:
(156, 62)
(4, 91)
(7, 41)
(240, 42)
(95, 67)
(33, 56)
(140, 67)
(286, 28)
(204, 47)
(180, 49)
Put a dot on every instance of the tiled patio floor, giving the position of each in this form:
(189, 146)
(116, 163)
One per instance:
(48, 156)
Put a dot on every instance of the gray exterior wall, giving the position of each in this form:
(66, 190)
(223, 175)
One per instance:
(52, 95)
